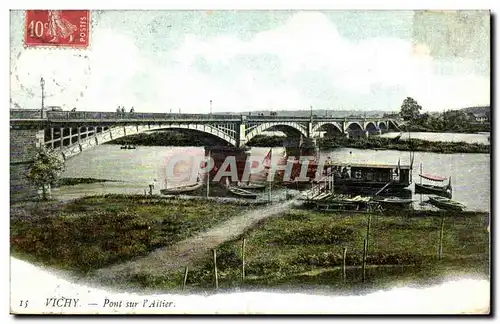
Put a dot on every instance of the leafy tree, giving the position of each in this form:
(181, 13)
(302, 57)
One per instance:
(46, 169)
(410, 109)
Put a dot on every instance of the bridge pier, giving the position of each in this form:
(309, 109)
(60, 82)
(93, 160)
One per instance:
(22, 142)
(242, 132)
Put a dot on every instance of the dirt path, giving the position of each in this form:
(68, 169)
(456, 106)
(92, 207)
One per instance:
(187, 252)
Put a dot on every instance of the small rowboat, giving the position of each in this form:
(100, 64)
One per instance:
(242, 192)
(181, 189)
(446, 203)
(393, 201)
(440, 190)
(252, 185)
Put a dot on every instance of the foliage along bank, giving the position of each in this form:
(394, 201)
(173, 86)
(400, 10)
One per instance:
(374, 142)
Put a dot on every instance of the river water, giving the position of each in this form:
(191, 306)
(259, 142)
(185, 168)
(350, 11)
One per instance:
(480, 138)
(135, 169)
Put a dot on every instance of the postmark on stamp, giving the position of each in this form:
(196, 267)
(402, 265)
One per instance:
(63, 28)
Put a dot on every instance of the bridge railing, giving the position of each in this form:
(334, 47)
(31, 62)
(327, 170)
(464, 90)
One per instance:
(25, 114)
(71, 115)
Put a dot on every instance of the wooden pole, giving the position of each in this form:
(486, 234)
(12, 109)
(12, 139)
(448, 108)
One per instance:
(441, 234)
(185, 278)
(243, 260)
(368, 230)
(344, 274)
(364, 259)
(215, 269)
(208, 176)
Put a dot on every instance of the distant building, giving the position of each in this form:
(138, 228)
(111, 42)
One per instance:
(478, 118)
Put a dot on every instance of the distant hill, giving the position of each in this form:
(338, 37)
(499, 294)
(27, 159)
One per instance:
(477, 110)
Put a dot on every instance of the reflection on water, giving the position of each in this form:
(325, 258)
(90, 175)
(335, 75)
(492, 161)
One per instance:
(470, 172)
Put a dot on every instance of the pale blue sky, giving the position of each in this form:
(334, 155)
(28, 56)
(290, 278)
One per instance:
(255, 60)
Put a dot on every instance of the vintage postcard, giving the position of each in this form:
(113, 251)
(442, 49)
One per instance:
(250, 162)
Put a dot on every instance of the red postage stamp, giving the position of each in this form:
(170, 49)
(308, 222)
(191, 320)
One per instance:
(64, 28)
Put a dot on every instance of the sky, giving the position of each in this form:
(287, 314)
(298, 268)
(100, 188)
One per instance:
(161, 61)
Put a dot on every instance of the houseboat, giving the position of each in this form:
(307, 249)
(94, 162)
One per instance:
(372, 176)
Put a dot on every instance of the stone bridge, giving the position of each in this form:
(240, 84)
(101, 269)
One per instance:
(71, 133)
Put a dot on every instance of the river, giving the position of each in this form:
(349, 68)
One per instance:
(479, 138)
(135, 169)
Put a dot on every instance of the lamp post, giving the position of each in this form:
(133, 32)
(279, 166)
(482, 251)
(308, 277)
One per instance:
(42, 84)
(210, 107)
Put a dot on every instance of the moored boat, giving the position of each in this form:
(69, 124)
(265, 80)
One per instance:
(242, 193)
(181, 189)
(252, 185)
(393, 202)
(446, 203)
(440, 190)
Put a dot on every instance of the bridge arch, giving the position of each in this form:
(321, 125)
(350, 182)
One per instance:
(329, 127)
(383, 126)
(289, 128)
(121, 131)
(371, 127)
(354, 126)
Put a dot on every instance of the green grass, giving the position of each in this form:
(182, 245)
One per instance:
(298, 249)
(92, 233)
(304, 249)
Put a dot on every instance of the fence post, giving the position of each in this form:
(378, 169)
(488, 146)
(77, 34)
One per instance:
(185, 278)
(344, 275)
(364, 259)
(243, 260)
(368, 230)
(215, 269)
(441, 234)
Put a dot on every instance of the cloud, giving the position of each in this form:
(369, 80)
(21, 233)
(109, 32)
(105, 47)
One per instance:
(305, 61)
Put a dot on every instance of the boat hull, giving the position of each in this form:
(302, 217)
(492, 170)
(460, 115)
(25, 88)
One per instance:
(241, 194)
(434, 190)
(181, 190)
(446, 205)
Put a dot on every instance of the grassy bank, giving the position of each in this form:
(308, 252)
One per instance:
(304, 249)
(92, 233)
(167, 138)
(75, 181)
(298, 249)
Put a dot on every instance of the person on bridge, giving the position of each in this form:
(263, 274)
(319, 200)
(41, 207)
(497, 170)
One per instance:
(132, 109)
(123, 109)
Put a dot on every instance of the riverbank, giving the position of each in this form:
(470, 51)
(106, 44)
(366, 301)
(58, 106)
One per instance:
(292, 249)
(167, 138)
(372, 142)
(76, 181)
(94, 232)
(381, 143)
(417, 145)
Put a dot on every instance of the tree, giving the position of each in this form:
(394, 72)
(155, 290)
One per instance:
(410, 109)
(45, 170)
